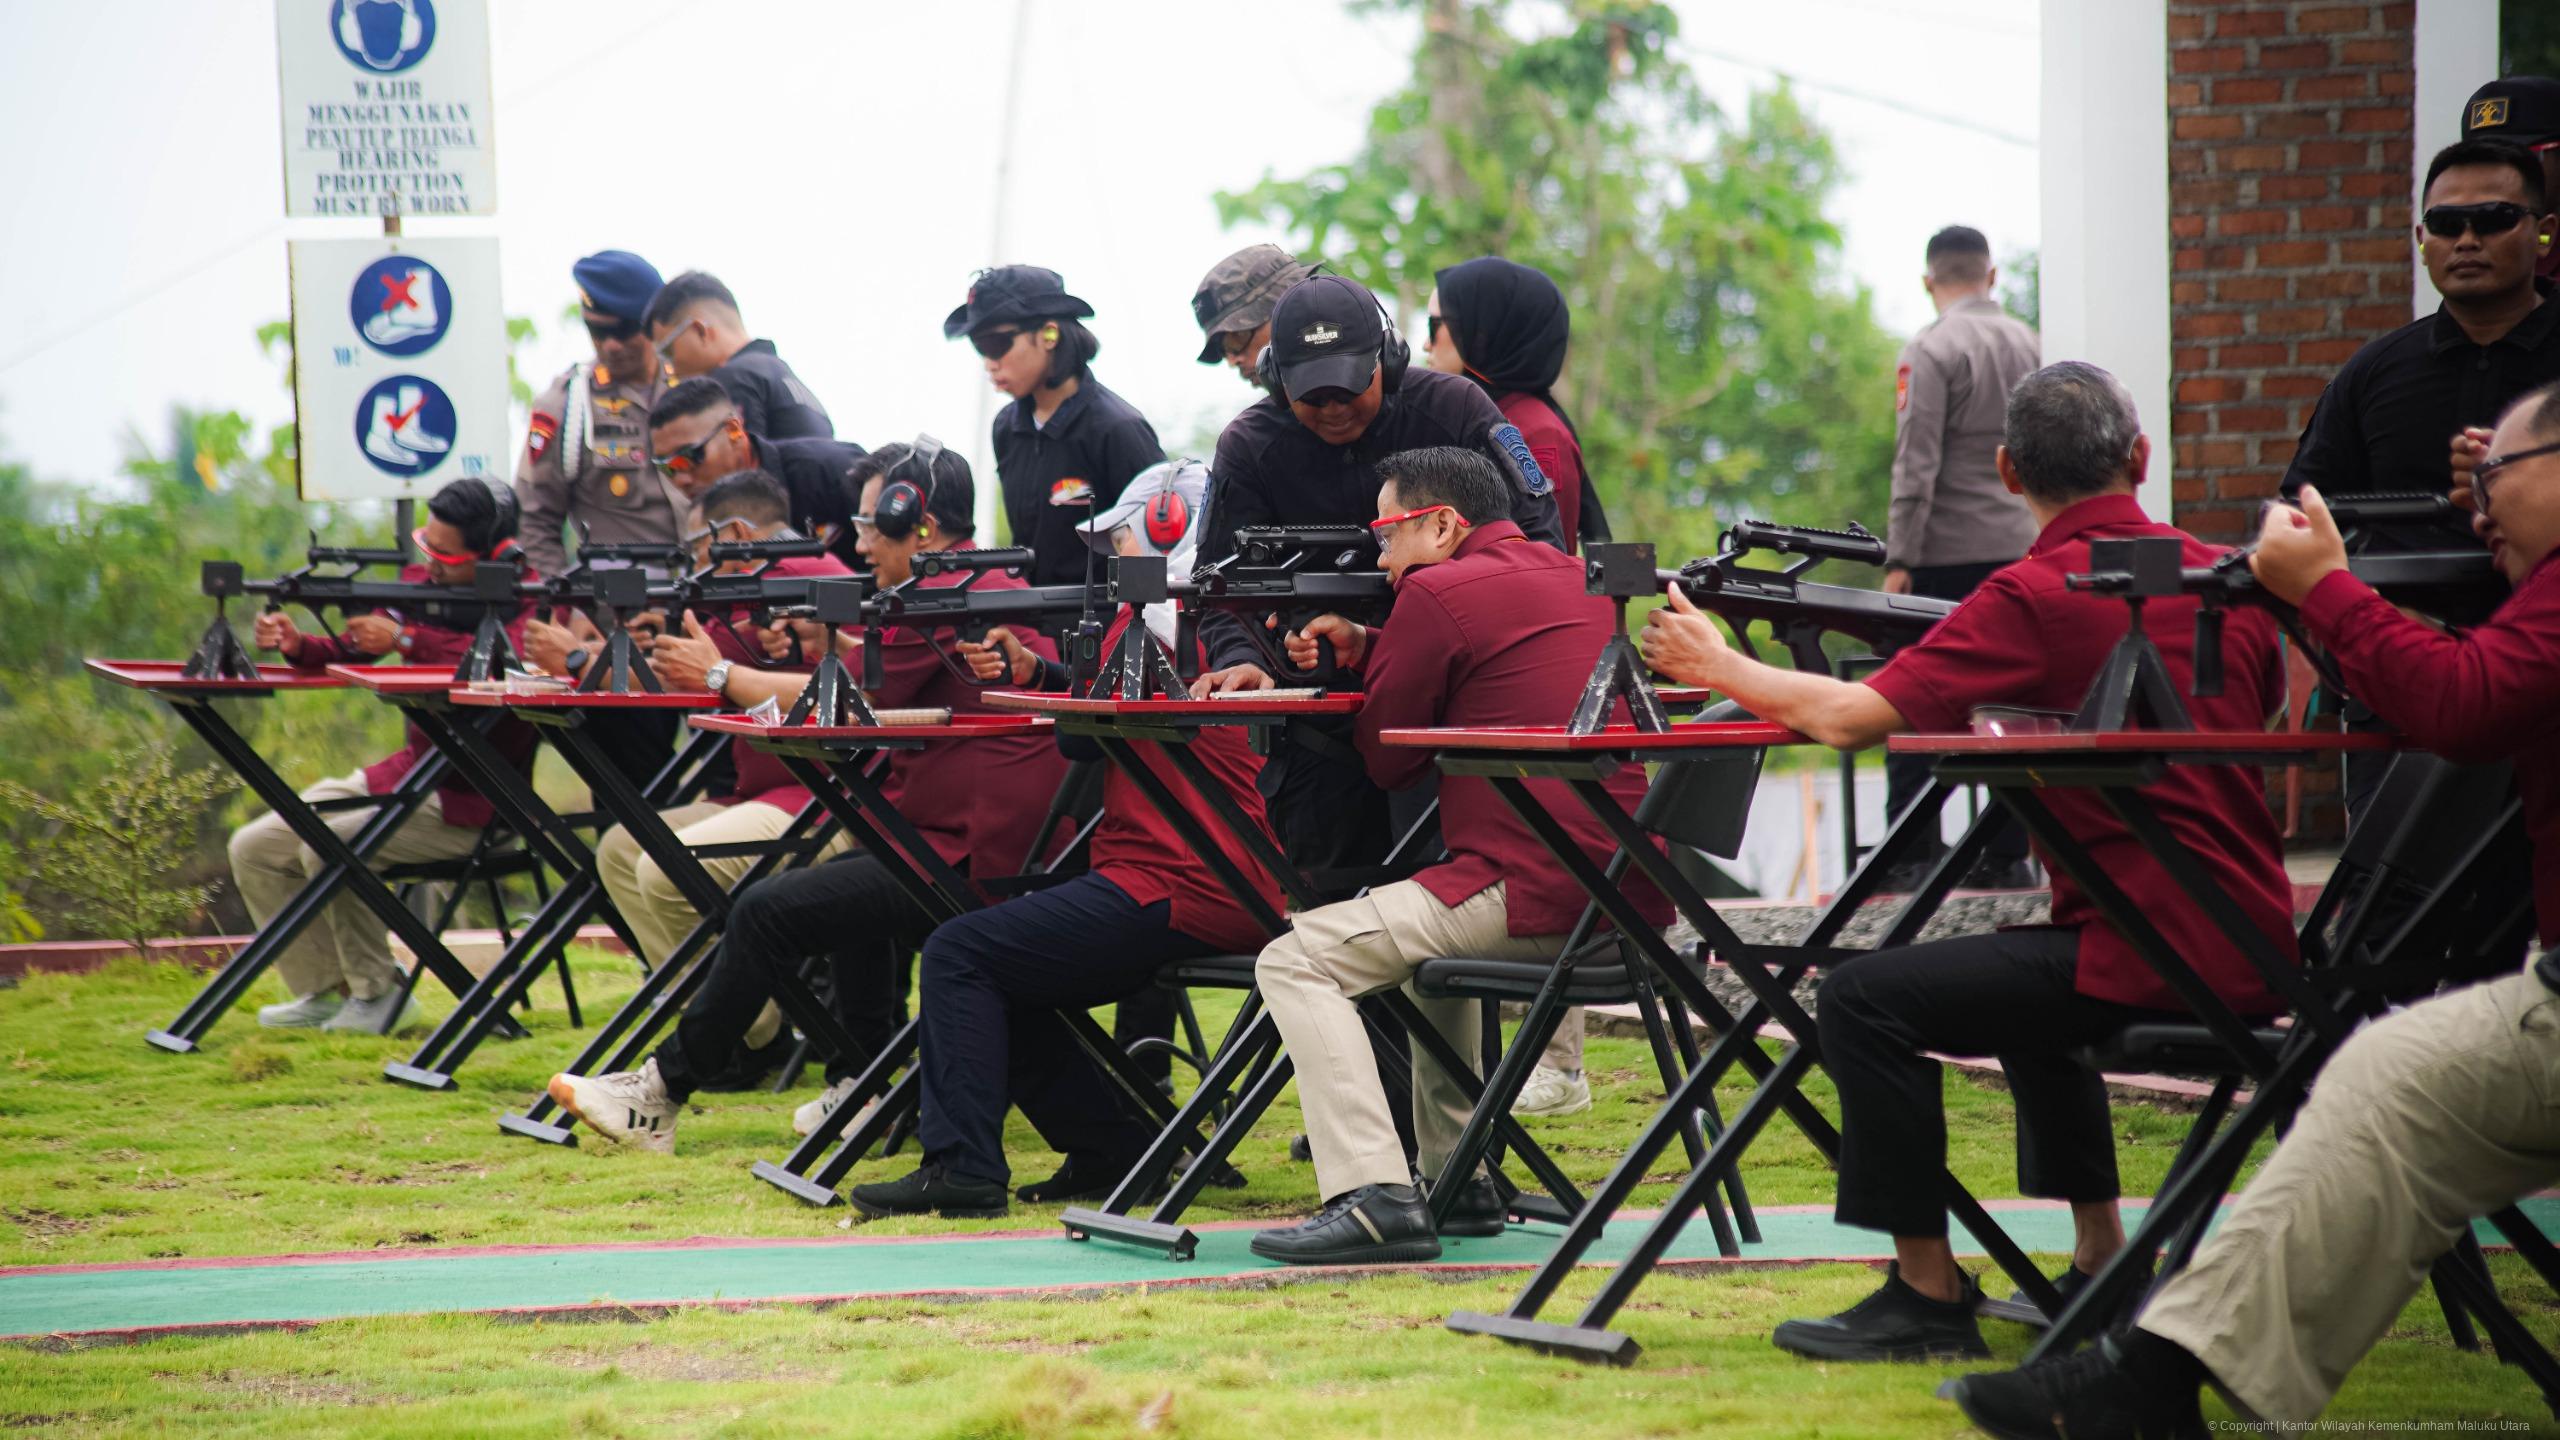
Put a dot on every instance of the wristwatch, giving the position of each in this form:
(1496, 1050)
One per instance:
(575, 662)
(716, 679)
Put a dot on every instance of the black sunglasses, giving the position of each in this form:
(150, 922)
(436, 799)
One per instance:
(1432, 331)
(612, 330)
(2496, 217)
(991, 344)
(2490, 465)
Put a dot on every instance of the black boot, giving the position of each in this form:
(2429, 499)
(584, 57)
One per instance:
(1479, 1211)
(1373, 1225)
(2089, 1394)
(1895, 1323)
(931, 1189)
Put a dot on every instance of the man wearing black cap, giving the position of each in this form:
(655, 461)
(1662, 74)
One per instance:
(1234, 302)
(694, 324)
(2522, 110)
(1067, 445)
(699, 434)
(586, 452)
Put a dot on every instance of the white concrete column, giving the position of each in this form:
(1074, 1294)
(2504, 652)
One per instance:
(2104, 151)
(2456, 53)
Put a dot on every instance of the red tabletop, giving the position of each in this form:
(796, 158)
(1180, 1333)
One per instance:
(959, 727)
(1683, 694)
(1243, 708)
(2136, 742)
(397, 679)
(170, 675)
(1720, 735)
(594, 700)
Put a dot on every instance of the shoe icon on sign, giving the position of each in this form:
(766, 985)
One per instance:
(400, 305)
(405, 425)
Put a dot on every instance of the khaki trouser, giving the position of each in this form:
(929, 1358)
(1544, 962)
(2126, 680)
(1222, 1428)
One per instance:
(2423, 1120)
(1564, 1048)
(658, 913)
(1334, 955)
(348, 944)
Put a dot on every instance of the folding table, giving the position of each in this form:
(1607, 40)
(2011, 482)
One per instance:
(561, 715)
(342, 864)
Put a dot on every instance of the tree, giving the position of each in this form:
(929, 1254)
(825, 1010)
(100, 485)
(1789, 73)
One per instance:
(112, 850)
(1718, 366)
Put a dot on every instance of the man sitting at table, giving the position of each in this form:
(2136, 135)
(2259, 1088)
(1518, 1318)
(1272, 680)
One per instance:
(2029, 996)
(340, 969)
(979, 803)
(1489, 629)
(992, 981)
(2423, 1120)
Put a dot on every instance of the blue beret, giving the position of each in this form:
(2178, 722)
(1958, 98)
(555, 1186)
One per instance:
(616, 282)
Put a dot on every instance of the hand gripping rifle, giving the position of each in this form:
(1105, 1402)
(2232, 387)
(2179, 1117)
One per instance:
(1799, 612)
(1285, 576)
(488, 603)
(965, 608)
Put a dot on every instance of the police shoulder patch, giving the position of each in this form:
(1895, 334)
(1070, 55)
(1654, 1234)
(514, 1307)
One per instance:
(1901, 387)
(538, 435)
(1507, 435)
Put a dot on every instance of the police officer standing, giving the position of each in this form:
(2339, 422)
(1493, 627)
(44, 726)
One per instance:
(586, 452)
(1234, 301)
(1952, 521)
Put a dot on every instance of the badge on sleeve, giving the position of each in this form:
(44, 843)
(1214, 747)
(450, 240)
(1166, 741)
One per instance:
(1901, 388)
(1070, 491)
(538, 435)
(1507, 437)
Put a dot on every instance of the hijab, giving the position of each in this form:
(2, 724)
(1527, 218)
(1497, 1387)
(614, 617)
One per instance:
(1510, 323)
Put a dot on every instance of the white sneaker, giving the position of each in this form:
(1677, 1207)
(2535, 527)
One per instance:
(806, 1120)
(630, 1108)
(308, 1013)
(1553, 1092)
(367, 1016)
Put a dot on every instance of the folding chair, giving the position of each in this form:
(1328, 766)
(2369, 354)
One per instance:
(495, 856)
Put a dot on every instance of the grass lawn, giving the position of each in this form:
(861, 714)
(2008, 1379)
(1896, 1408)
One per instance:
(110, 1150)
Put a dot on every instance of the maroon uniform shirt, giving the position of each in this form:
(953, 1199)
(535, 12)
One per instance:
(1558, 454)
(426, 640)
(2023, 639)
(977, 802)
(2490, 694)
(1136, 848)
(761, 777)
(1500, 633)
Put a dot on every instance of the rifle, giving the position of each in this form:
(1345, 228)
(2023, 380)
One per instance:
(1800, 612)
(1293, 573)
(487, 604)
(964, 608)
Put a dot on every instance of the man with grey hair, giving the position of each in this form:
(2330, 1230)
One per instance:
(2074, 450)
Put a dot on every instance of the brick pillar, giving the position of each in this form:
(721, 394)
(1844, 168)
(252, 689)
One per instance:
(2289, 182)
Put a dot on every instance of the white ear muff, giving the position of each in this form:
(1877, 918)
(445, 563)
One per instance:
(413, 27)
(350, 34)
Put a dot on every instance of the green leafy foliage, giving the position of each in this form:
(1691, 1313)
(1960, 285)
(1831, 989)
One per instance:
(1720, 367)
(111, 846)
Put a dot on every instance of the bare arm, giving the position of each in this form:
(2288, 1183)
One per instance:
(1683, 644)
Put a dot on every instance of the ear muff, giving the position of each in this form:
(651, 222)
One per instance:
(1166, 519)
(413, 27)
(503, 549)
(1394, 355)
(900, 510)
(1266, 373)
(350, 34)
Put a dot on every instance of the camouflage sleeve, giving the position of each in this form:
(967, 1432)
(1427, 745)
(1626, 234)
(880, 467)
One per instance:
(542, 490)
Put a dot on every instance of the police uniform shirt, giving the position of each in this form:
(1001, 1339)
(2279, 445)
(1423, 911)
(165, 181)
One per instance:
(1271, 470)
(769, 396)
(1950, 411)
(812, 473)
(592, 464)
(2386, 423)
(1093, 442)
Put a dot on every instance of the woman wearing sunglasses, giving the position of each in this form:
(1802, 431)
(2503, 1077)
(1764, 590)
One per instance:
(1504, 325)
(1066, 446)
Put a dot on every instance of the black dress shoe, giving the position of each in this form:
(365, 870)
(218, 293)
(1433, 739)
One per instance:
(932, 1190)
(1479, 1211)
(1081, 1177)
(2088, 1394)
(1373, 1225)
(1895, 1323)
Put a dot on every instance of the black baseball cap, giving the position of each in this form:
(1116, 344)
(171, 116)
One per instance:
(1327, 334)
(1013, 293)
(2524, 109)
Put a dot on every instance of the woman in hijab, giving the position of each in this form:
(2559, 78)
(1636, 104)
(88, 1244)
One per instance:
(1503, 325)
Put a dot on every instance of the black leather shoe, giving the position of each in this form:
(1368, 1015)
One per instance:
(1895, 1323)
(2085, 1395)
(1080, 1177)
(1373, 1225)
(932, 1190)
(1479, 1211)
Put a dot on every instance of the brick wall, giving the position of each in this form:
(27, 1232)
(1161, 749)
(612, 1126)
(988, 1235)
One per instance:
(2289, 158)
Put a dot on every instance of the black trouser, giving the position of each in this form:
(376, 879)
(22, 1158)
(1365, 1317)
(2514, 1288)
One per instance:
(847, 908)
(993, 981)
(1906, 777)
(2007, 994)
(638, 742)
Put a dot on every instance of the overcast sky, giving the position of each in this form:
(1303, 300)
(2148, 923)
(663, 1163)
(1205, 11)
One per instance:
(836, 164)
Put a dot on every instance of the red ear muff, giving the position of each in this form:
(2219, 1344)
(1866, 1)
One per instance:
(1167, 520)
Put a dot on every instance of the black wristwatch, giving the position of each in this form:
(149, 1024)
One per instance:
(576, 662)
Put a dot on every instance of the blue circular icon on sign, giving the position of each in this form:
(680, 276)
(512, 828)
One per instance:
(383, 36)
(400, 305)
(405, 425)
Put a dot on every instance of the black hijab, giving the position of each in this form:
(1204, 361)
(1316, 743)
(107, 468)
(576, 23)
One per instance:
(1510, 323)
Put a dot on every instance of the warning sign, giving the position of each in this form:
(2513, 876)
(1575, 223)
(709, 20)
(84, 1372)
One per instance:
(400, 366)
(386, 107)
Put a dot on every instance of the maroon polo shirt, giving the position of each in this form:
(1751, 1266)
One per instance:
(978, 802)
(761, 777)
(427, 640)
(2492, 693)
(2023, 639)
(1501, 633)
(1136, 849)
(1558, 454)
